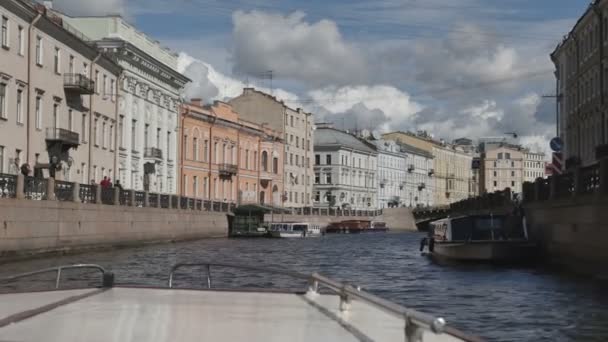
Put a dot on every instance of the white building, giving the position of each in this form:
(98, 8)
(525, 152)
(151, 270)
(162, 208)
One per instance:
(148, 101)
(403, 175)
(345, 170)
(534, 166)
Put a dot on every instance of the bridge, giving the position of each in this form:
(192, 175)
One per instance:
(499, 202)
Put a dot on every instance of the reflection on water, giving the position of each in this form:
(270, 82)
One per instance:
(498, 303)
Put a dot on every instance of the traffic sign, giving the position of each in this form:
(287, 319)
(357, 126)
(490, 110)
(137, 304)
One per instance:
(556, 144)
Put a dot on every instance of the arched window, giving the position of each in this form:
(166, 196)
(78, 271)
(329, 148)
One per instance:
(275, 165)
(265, 161)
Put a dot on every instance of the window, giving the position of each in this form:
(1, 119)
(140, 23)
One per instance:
(328, 178)
(328, 159)
(206, 151)
(513, 183)
(39, 50)
(291, 125)
(291, 159)
(71, 65)
(495, 173)
(19, 106)
(104, 134)
(146, 135)
(97, 81)
(2, 159)
(265, 161)
(111, 137)
(512, 173)
(169, 155)
(317, 196)
(21, 39)
(85, 69)
(112, 90)
(195, 186)
(133, 134)
(38, 112)
(275, 165)
(297, 160)
(317, 178)
(3, 104)
(105, 85)
(317, 159)
(95, 132)
(512, 164)
(500, 156)
(195, 148)
(83, 128)
(158, 137)
(5, 32)
(56, 61)
(507, 155)
(246, 158)
(121, 127)
(495, 183)
(298, 142)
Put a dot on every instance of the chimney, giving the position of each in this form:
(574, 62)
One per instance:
(197, 102)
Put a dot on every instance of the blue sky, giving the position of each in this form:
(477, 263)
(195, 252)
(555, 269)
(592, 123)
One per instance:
(455, 68)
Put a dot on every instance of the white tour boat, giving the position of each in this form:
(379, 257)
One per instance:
(112, 313)
(294, 230)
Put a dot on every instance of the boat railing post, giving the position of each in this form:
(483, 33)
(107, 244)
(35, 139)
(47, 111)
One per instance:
(313, 285)
(208, 276)
(344, 299)
(413, 332)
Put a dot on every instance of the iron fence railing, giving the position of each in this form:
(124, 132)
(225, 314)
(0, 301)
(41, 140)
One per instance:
(35, 188)
(174, 202)
(217, 206)
(107, 196)
(140, 197)
(207, 205)
(64, 191)
(8, 186)
(125, 197)
(183, 202)
(88, 193)
(153, 200)
(164, 201)
(199, 204)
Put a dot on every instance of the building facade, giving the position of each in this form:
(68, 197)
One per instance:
(535, 165)
(502, 166)
(581, 62)
(50, 102)
(224, 158)
(297, 128)
(452, 166)
(345, 169)
(403, 175)
(148, 99)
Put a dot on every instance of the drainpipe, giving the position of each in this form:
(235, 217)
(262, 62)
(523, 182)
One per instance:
(117, 118)
(29, 85)
(91, 113)
(211, 144)
(181, 149)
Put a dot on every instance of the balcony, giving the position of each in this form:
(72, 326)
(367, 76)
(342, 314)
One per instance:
(431, 172)
(411, 168)
(153, 153)
(79, 84)
(228, 169)
(63, 136)
(421, 186)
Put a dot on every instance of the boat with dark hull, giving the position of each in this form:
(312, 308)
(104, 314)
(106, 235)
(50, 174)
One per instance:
(356, 227)
(487, 238)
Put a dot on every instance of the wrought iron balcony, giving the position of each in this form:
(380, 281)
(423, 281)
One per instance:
(411, 168)
(78, 83)
(66, 137)
(431, 172)
(421, 186)
(153, 153)
(228, 169)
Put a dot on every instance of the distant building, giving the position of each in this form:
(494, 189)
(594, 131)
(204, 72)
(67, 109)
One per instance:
(534, 166)
(148, 97)
(297, 128)
(224, 158)
(452, 173)
(403, 175)
(501, 167)
(50, 99)
(345, 169)
(581, 72)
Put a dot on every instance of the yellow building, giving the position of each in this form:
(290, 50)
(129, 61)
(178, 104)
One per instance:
(452, 174)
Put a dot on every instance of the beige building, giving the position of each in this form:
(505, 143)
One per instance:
(582, 82)
(52, 87)
(534, 166)
(297, 128)
(451, 172)
(501, 167)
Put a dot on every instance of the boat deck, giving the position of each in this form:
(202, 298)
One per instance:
(144, 314)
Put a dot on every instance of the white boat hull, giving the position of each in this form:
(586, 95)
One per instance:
(293, 235)
(485, 250)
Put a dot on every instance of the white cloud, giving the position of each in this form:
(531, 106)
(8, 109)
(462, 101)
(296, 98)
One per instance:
(314, 53)
(91, 7)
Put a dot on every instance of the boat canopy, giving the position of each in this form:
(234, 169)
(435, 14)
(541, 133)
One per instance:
(256, 209)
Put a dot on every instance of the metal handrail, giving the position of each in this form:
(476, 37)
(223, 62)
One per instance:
(107, 277)
(415, 321)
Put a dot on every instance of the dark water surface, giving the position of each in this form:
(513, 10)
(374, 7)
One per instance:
(498, 303)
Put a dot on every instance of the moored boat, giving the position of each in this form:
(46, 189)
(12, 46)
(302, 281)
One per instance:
(112, 312)
(356, 227)
(294, 230)
(492, 238)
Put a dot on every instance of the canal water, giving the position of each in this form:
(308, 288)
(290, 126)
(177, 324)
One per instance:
(498, 303)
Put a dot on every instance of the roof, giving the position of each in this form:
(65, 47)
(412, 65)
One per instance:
(415, 150)
(331, 137)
